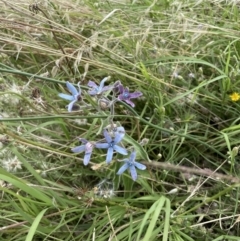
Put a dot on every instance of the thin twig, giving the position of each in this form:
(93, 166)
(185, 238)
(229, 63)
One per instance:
(184, 169)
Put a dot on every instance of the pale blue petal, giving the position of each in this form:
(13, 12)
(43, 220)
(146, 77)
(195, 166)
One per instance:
(119, 134)
(126, 90)
(84, 141)
(72, 89)
(106, 88)
(121, 88)
(87, 158)
(123, 168)
(102, 84)
(132, 156)
(121, 129)
(92, 92)
(78, 149)
(135, 94)
(70, 105)
(130, 103)
(116, 129)
(139, 166)
(102, 145)
(109, 154)
(94, 87)
(120, 150)
(121, 97)
(133, 172)
(92, 84)
(66, 97)
(107, 136)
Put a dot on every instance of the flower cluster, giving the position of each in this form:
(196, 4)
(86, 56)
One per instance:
(95, 90)
(110, 145)
(112, 138)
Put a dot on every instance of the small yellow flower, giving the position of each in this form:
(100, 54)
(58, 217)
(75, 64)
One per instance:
(234, 96)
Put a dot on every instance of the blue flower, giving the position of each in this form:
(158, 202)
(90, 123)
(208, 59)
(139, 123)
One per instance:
(126, 96)
(97, 90)
(111, 144)
(131, 164)
(76, 95)
(87, 147)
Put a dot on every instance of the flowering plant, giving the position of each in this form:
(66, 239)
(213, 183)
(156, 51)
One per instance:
(114, 138)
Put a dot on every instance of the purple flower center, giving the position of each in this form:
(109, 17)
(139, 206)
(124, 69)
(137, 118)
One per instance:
(111, 144)
(88, 147)
(125, 95)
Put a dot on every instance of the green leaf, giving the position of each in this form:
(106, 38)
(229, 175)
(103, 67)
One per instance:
(141, 153)
(154, 217)
(151, 217)
(34, 226)
(31, 191)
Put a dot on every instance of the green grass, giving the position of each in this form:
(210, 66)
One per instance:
(184, 57)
